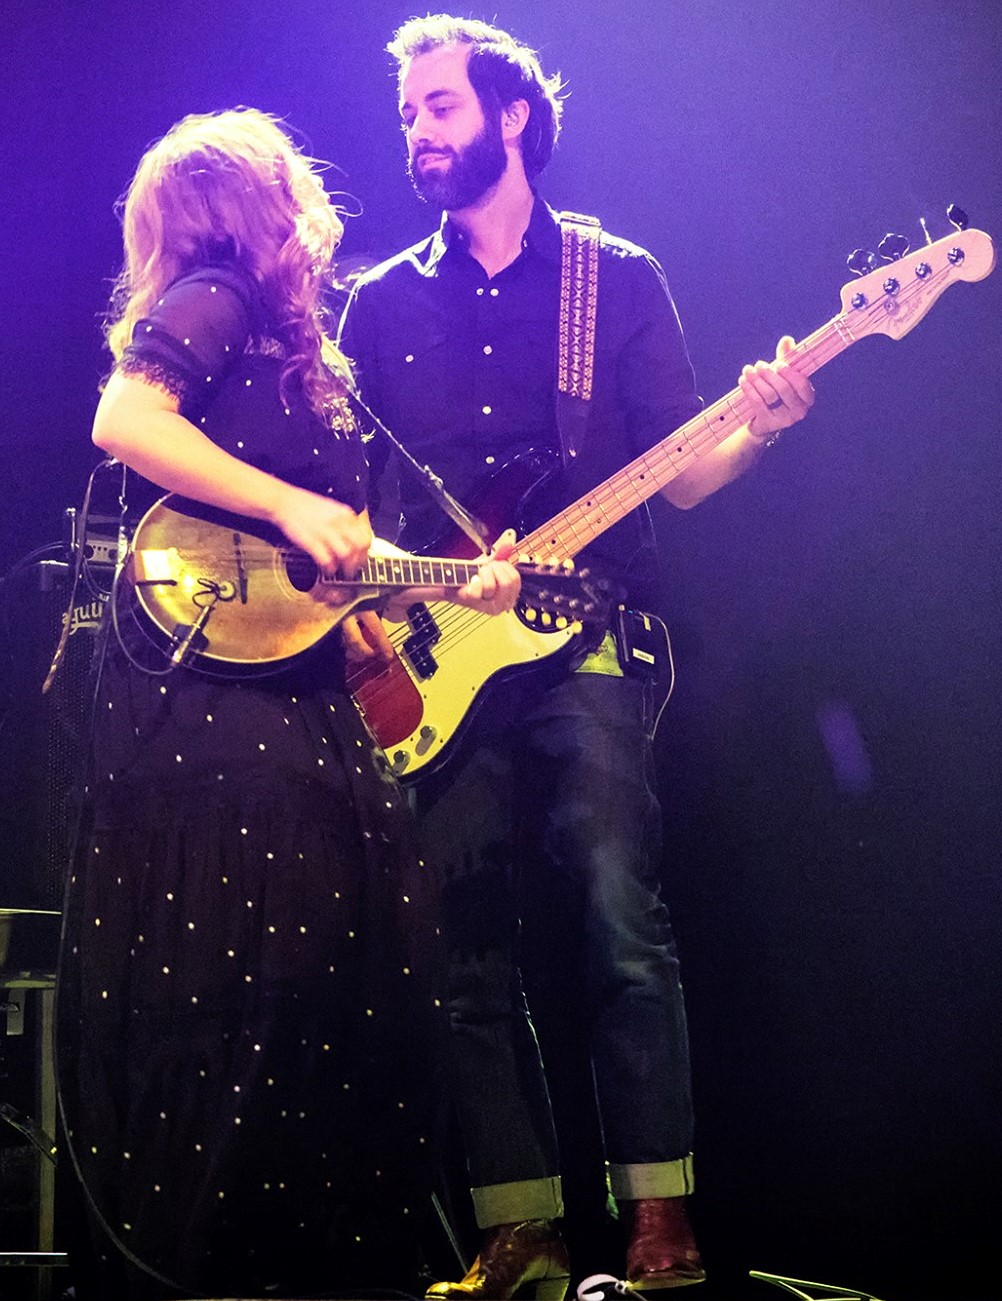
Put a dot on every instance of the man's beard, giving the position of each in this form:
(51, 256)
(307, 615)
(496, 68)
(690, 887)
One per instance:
(473, 171)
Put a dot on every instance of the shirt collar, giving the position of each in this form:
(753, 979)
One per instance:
(542, 234)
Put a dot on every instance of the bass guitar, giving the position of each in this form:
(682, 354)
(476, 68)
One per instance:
(226, 594)
(446, 659)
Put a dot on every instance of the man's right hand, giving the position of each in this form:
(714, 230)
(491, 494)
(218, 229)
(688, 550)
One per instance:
(365, 638)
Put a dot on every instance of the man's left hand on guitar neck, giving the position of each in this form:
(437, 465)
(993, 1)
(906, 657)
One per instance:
(778, 396)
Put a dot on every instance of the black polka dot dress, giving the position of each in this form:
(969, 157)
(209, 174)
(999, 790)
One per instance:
(248, 1008)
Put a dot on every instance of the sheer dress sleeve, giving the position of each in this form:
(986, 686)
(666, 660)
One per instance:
(193, 335)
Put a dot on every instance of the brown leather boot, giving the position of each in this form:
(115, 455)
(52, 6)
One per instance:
(662, 1251)
(512, 1256)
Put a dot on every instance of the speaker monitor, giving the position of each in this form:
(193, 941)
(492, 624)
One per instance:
(42, 737)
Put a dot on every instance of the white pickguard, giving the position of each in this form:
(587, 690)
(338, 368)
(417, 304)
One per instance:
(472, 648)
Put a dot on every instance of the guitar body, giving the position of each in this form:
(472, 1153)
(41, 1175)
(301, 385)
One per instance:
(417, 716)
(449, 661)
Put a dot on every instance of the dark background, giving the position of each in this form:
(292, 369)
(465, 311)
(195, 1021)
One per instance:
(837, 901)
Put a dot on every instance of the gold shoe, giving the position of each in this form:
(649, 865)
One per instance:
(528, 1255)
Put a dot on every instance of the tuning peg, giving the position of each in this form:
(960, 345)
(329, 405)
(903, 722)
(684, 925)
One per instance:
(958, 217)
(861, 261)
(893, 247)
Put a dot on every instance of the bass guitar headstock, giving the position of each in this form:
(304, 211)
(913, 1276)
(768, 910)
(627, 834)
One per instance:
(892, 298)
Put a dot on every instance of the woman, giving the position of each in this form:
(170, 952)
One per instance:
(247, 990)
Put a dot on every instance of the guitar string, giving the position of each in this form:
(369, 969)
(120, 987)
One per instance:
(369, 576)
(532, 575)
(813, 352)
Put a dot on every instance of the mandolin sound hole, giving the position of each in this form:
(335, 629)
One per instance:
(301, 570)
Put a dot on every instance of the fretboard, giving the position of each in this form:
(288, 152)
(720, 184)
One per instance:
(414, 571)
(585, 519)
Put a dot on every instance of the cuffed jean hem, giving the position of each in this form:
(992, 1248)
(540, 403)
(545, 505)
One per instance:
(525, 1199)
(630, 1183)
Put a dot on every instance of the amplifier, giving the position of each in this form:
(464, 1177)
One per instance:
(42, 737)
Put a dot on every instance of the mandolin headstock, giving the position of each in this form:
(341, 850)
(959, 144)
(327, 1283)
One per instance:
(556, 597)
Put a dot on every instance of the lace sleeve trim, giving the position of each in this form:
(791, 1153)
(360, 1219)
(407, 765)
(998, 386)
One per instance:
(158, 373)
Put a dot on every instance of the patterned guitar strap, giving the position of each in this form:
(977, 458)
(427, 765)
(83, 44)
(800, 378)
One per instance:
(608, 651)
(579, 238)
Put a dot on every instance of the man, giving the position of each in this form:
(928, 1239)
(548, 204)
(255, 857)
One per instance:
(455, 343)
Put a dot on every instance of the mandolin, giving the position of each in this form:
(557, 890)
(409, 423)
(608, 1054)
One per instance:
(224, 592)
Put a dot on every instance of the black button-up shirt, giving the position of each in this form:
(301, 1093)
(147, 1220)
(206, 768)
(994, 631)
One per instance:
(462, 368)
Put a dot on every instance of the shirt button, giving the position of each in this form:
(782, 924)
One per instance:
(409, 357)
(487, 349)
(488, 460)
(495, 292)
(480, 292)
(486, 410)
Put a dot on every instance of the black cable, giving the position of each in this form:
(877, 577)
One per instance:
(30, 559)
(120, 638)
(32, 1131)
(78, 567)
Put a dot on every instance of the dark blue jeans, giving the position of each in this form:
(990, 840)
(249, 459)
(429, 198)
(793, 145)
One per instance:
(555, 815)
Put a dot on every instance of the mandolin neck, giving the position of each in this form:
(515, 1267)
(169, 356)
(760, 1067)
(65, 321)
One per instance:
(395, 572)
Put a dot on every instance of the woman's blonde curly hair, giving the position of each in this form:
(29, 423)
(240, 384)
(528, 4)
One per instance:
(231, 188)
